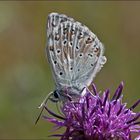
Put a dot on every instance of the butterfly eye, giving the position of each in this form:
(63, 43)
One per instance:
(92, 65)
(56, 94)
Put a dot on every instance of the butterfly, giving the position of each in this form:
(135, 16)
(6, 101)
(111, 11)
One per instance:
(75, 55)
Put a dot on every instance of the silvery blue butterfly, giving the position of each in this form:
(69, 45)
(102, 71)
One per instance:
(75, 55)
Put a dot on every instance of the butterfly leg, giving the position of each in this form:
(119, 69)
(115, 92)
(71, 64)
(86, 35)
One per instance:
(58, 106)
(42, 106)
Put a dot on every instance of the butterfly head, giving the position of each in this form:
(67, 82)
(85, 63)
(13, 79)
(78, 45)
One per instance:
(66, 94)
(55, 96)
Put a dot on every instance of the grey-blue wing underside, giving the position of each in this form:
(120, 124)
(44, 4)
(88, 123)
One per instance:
(74, 52)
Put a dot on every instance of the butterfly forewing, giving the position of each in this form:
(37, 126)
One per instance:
(74, 52)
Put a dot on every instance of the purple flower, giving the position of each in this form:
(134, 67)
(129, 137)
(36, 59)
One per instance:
(97, 117)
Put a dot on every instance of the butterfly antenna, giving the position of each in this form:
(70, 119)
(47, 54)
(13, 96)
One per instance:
(42, 106)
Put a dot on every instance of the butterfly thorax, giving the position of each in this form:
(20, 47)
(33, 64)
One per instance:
(65, 94)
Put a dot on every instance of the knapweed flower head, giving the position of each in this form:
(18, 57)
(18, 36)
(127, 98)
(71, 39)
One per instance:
(97, 117)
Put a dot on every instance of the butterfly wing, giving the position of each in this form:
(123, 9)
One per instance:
(57, 49)
(74, 52)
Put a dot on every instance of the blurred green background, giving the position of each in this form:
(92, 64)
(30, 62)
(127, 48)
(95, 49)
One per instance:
(25, 76)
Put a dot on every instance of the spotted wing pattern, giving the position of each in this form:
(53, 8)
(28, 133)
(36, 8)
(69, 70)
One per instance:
(74, 52)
